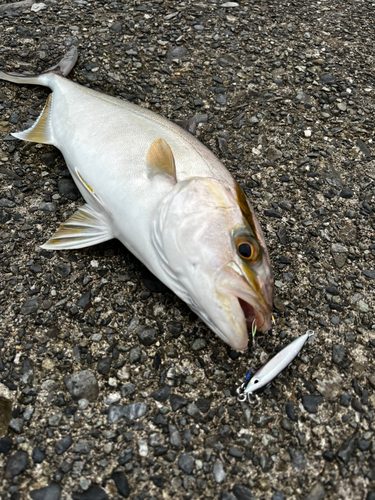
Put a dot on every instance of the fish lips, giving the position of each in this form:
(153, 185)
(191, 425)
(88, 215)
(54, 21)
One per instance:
(247, 306)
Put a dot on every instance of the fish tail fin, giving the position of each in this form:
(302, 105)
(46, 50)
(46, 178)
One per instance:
(41, 131)
(67, 63)
(19, 78)
(62, 68)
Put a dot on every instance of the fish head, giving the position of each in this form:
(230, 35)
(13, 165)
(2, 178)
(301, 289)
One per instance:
(214, 256)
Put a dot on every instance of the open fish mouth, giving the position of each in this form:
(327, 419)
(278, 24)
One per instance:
(254, 317)
(246, 304)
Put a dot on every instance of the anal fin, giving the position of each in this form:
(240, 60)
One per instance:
(84, 228)
(41, 131)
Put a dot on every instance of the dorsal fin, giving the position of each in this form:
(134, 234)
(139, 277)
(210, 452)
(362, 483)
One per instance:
(190, 124)
(41, 131)
(160, 159)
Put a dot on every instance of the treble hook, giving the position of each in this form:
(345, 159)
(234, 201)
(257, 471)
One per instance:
(252, 398)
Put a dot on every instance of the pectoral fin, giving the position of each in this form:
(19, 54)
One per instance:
(84, 228)
(41, 131)
(160, 159)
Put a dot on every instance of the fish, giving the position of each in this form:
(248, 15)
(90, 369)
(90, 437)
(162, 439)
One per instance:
(155, 187)
(272, 368)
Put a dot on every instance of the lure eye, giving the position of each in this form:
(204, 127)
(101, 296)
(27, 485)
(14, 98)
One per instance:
(256, 381)
(247, 249)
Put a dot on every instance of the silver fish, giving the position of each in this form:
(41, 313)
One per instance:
(272, 368)
(164, 195)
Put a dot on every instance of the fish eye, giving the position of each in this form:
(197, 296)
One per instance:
(256, 381)
(247, 249)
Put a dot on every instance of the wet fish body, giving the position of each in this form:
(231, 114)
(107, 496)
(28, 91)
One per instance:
(164, 195)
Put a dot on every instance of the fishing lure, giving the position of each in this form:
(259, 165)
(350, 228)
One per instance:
(272, 368)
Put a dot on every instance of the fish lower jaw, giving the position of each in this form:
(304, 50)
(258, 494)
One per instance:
(254, 317)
